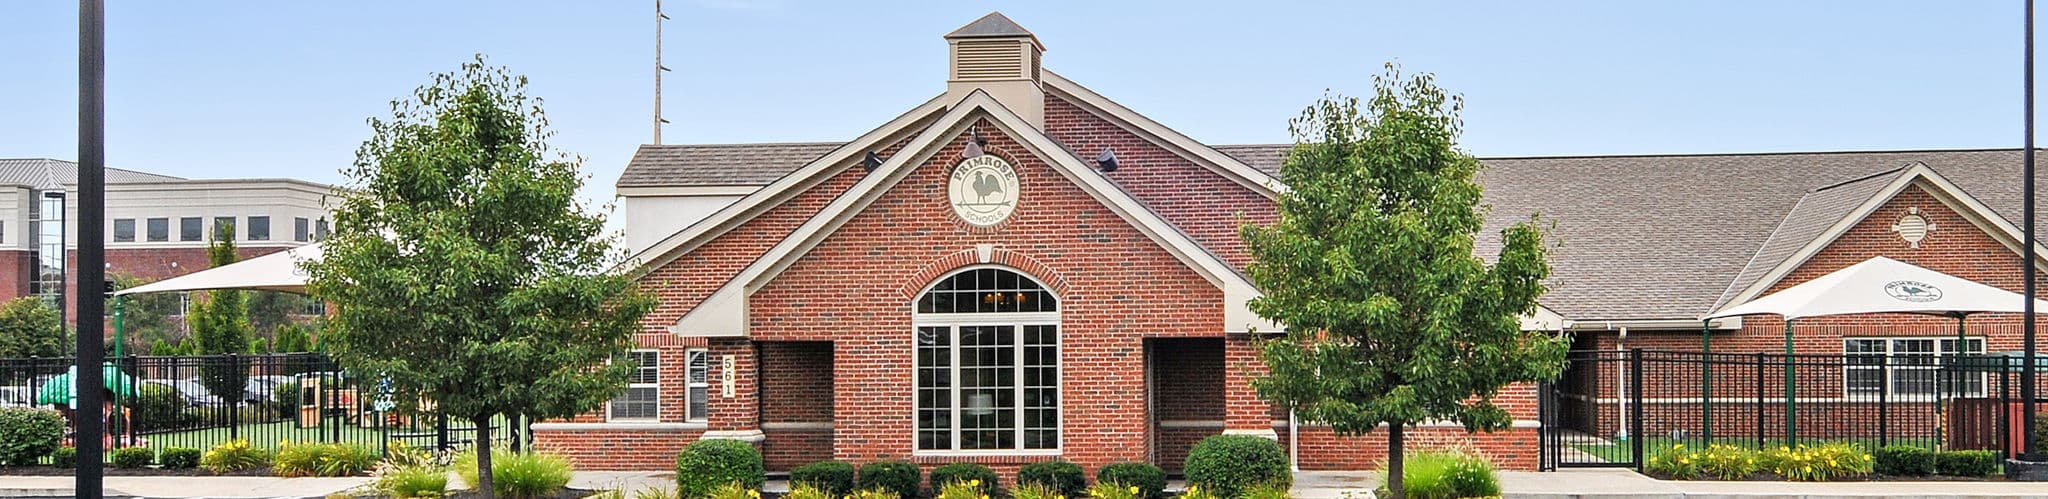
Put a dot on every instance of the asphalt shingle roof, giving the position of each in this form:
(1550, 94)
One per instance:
(1640, 237)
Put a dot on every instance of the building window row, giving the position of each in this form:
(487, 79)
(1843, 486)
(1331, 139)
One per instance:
(642, 400)
(190, 229)
(1910, 367)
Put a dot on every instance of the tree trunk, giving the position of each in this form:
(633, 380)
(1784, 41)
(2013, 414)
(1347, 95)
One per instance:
(483, 457)
(1395, 456)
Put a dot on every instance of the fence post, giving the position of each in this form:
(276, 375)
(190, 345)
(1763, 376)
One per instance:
(1635, 389)
(440, 430)
(1884, 406)
(235, 406)
(2005, 407)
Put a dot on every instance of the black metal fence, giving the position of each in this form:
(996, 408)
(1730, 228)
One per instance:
(1613, 407)
(201, 401)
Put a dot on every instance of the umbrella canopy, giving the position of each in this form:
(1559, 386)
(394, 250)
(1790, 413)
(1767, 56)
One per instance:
(62, 389)
(1883, 285)
(273, 272)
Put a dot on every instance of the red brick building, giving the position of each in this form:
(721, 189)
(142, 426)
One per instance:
(1021, 269)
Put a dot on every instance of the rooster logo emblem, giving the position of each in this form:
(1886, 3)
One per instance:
(1912, 291)
(983, 190)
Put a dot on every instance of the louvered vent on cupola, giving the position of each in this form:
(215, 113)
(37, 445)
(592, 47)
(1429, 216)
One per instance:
(995, 55)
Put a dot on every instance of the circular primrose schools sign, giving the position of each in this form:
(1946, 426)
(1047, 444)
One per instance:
(983, 190)
(1912, 291)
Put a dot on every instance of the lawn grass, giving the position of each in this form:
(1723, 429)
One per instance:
(1622, 450)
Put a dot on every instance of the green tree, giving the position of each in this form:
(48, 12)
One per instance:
(1391, 318)
(292, 338)
(145, 318)
(221, 324)
(30, 328)
(463, 269)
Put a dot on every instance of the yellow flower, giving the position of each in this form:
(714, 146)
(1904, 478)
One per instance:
(974, 483)
(1134, 489)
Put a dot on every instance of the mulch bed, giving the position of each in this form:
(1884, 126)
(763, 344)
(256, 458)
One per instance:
(468, 494)
(1768, 477)
(112, 471)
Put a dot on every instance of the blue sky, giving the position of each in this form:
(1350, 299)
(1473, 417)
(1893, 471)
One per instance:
(269, 89)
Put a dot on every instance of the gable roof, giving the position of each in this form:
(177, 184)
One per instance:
(993, 25)
(697, 165)
(724, 312)
(1810, 218)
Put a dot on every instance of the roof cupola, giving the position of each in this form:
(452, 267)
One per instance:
(995, 55)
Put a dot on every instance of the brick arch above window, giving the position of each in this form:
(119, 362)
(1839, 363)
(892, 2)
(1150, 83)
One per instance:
(931, 271)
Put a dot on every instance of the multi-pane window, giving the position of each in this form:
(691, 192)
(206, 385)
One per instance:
(124, 230)
(642, 400)
(1911, 366)
(320, 229)
(259, 228)
(987, 364)
(189, 228)
(223, 228)
(46, 228)
(301, 230)
(159, 230)
(698, 381)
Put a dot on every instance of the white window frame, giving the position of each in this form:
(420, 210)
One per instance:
(656, 385)
(690, 386)
(1891, 367)
(1018, 321)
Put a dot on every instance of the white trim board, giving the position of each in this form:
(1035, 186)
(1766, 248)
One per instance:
(724, 312)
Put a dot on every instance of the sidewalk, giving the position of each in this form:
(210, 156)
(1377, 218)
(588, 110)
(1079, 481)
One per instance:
(1626, 484)
(184, 486)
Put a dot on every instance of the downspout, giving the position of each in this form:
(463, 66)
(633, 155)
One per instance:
(1621, 379)
(1293, 440)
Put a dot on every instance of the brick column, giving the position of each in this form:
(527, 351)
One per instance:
(1243, 412)
(734, 401)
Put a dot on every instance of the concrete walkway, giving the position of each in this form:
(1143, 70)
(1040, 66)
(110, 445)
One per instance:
(208, 486)
(1626, 484)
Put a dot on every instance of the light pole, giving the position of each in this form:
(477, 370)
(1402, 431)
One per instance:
(92, 192)
(2029, 447)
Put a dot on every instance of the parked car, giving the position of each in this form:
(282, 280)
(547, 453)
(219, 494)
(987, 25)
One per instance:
(194, 392)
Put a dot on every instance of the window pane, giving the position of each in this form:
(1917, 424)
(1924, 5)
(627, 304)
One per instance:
(301, 229)
(259, 229)
(1041, 387)
(934, 388)
(986, 291)
(223, 228)
(124, 230)
(699, 365)
(159, 229)
(699, 407)
(320, 230)
(189, 229)
(637, 403)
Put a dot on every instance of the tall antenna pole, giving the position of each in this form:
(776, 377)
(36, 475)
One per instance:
(658, 69)
(2027, 384)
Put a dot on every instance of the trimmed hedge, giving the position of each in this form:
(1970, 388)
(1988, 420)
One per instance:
(961, 472)
(832, 477)
(1149, 479)
(899, 477)
(26, 435)
(178, 458)
(706, 465)
(64, 457)
(1060, 476)
(132, 457)
(1904, 460)
(1227, 465)
(1970, 463)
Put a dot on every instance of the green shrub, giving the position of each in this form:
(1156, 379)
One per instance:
(414, 482)
(64, 457)
(530, 474)
(1676, 463)
(1034, 490)
(159, 407)
(1969, 463)
(732, 490)
(1728, 462)
(1149, 479)
(132, 457)
(1904, 460)
(236, 455)
(2041, 433)
(322, 459)
(1443, 474)
(831, 477)
(875, 494)
(1269, 491)
(1229, 464)
(1110, 490)
(1817, 463)
(705, 465)
(985, 479)
(178, 458)
(809, 490)
(26, 435)
(1062, 477)
(895, 477)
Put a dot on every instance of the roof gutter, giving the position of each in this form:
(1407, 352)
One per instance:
(1688, 325)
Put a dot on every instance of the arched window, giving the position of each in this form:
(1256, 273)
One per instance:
(987, 364)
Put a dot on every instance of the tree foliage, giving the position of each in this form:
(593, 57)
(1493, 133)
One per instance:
(30, 328)
(221, 324)
(146, 318)
(462, 267)
(1391, 317)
